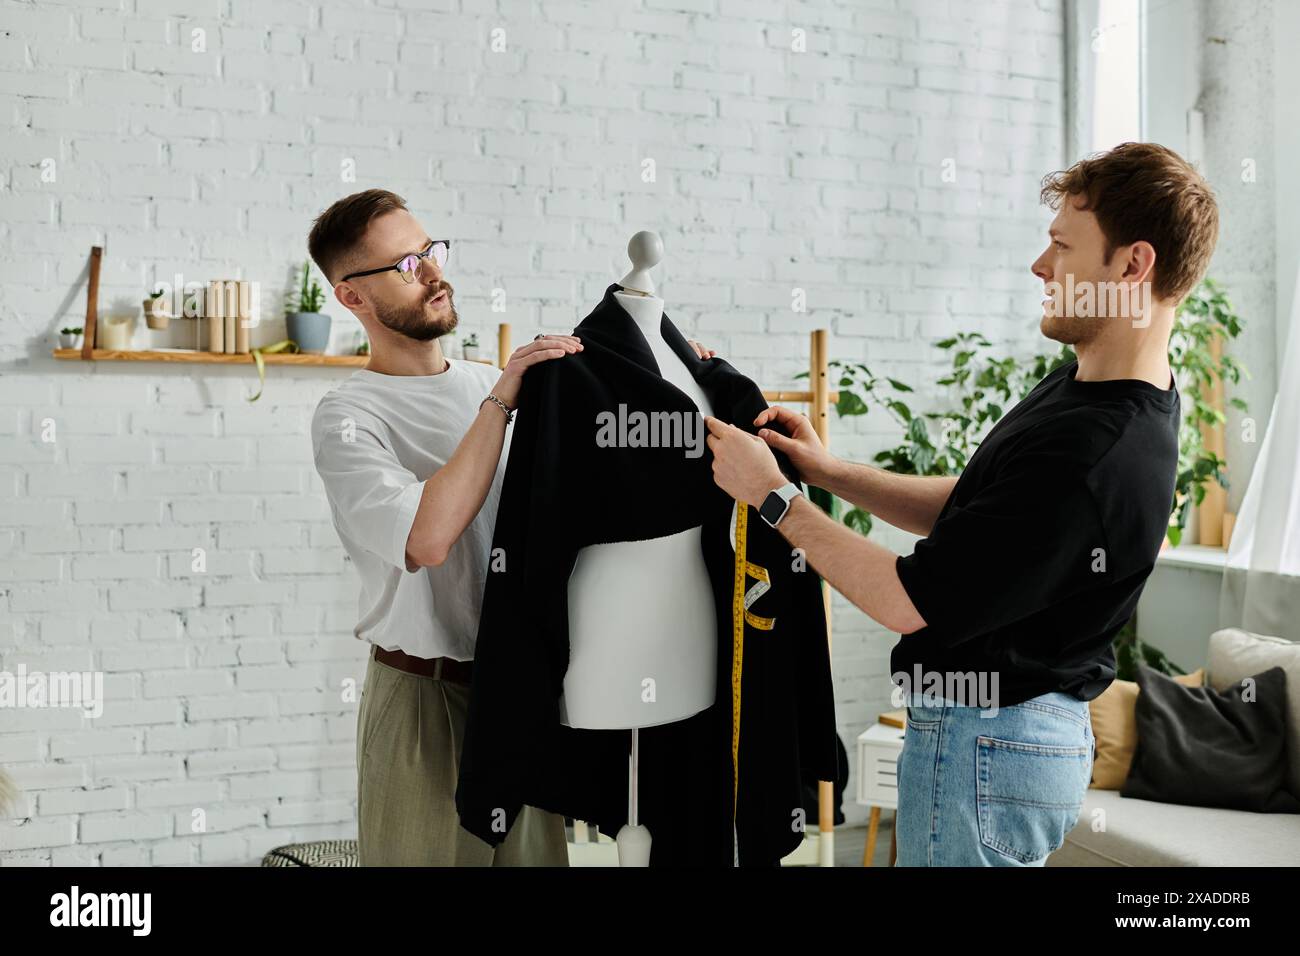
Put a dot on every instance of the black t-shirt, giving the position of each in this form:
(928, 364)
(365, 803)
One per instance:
(1039, 554)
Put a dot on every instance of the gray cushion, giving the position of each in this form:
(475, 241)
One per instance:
(1203, 747)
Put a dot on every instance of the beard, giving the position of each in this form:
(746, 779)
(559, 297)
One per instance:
(1068, 330)
(421, 321)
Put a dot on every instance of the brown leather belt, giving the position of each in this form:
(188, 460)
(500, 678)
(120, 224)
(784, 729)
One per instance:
(439, 668)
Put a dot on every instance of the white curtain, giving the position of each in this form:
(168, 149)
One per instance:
(1104, 87)
(1261, 583)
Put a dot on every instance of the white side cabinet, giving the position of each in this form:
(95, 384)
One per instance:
(878, 749)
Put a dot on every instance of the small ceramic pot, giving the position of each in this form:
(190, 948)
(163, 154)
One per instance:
(156, 314)
(70, 340)
(311, 330)
(470, 353)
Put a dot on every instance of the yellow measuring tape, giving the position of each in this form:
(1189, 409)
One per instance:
(284, 345)
(741, 599)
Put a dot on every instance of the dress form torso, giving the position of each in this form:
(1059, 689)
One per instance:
(642, 611)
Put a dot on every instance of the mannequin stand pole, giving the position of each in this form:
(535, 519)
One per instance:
(635, 772)
(633, 839)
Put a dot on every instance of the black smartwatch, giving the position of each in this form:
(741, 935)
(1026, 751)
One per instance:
(777, 503)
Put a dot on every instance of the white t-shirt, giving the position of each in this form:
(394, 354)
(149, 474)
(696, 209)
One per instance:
(376, 439)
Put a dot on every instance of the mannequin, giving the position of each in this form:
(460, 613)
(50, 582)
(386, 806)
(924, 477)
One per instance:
(727, 780)
(657, 663)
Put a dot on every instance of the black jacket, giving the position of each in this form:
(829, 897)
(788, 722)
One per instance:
(561, 493)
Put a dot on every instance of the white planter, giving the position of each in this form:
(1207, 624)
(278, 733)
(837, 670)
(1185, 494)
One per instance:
(470, 353)
(70, 340)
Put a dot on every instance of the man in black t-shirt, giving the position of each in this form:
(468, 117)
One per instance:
(1035, 556)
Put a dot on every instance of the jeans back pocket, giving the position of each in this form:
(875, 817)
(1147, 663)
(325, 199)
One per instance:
(1029, 795)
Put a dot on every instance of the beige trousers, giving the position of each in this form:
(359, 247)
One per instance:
(409, 734)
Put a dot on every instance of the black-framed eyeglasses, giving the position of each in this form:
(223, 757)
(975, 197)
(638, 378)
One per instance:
(409, 265)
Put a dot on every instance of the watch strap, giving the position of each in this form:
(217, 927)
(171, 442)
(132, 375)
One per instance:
(786, 493)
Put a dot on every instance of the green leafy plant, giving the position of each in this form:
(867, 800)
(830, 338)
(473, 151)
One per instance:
(71, 331)
(1131, 650)
(1206, 314)
(156, 294)
(309, 295)
(471, 342)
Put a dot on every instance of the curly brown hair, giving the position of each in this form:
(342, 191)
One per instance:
(1144, 191)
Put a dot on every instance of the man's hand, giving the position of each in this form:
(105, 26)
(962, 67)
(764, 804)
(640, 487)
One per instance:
(743, 465)
(804, 449)
(526, 356)
(700, 350)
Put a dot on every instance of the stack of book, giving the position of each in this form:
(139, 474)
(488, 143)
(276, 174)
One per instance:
(228, 307)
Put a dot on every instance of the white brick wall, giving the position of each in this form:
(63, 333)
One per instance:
(774, 169)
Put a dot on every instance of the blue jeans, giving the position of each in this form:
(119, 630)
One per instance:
(1001, 790)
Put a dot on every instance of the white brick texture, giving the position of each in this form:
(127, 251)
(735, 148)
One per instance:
(880, 156)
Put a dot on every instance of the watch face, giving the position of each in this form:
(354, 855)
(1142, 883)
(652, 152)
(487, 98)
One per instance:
(773, 508)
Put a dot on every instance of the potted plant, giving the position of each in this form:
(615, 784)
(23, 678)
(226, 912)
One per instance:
(306, 324)
(1205, 315)
(155, 310)
(70, 338)
(469, 348)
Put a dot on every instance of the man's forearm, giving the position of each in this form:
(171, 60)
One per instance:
(860, 569)
(910, 502)
(456, 492)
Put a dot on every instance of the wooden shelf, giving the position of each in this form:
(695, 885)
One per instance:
(286, 358)
(219, 358)
(210, 358)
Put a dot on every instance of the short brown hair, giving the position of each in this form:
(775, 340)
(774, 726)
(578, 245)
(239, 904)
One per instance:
(1144, 191)
(338, 230)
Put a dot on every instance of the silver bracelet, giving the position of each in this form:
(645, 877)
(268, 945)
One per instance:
(510, 416)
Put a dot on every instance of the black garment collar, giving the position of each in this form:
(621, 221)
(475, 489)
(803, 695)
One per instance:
(616, 333)
(610, 325)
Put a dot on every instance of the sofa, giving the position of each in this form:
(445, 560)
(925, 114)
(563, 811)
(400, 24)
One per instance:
(1148, 833)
